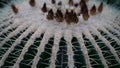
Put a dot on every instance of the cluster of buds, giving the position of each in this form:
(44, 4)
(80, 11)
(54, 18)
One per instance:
(70, 15)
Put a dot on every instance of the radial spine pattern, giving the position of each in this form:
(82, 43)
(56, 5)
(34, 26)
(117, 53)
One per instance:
(59, 34)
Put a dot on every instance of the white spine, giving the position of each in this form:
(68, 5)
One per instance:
(110, 35)
(70, 53)
(40, 49)
(6, 22)
(116, 25)
(14, 25)
(78, 34)
(97, 48)
(107, 43)
(12, 47)
(20, 28)
(55, 48)
(25, 49)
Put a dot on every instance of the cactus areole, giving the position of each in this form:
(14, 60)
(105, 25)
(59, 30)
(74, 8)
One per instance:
(59, 34)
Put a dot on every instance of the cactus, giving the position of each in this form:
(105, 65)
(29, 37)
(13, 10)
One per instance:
(79, 35)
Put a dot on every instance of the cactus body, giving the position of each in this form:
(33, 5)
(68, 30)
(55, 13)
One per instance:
(29, 40)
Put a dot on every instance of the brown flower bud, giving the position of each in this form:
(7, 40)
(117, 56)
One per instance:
(50, 15)
(84, 9)
(66, 13)
(86, 16)
(71, 2)
(67, 17)
(59, 16)
(75, 18)
(53, 1)
(71, 15)
(15, 10)
(100, 8)
(60, 3)
(44, 8)
(76, 5)
(32, 3)
(82, 3)
(93, 10)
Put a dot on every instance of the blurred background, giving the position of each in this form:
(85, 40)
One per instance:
(115, 3)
